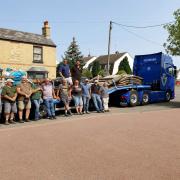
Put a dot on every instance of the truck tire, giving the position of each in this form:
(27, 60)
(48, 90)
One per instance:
(133, 98)
(145, 99)
(168, 96)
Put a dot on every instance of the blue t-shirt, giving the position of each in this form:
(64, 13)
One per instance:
(65, 70)
(85, 89)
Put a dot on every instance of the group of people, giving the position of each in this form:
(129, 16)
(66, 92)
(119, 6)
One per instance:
(82, 92)
(19, 98)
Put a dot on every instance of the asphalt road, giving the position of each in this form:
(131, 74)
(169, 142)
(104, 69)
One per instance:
(140, 143)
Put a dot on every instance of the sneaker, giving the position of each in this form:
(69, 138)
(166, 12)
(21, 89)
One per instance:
(66, 115)
(81, 113)
(21, 121)
(102, 111)
(6, 123)
(54, 117)
(70, 113)
(98, 111)
(12, 122)
(48, 117)
(87, 112)
(27, 120)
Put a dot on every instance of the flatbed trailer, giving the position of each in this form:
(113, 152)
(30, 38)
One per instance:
(158, 73)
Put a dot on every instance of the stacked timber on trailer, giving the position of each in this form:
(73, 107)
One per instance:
(120, 80)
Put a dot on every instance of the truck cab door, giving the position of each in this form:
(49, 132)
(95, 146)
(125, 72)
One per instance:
(168, 77)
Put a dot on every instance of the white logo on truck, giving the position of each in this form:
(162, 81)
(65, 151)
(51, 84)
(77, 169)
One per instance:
(164, 79)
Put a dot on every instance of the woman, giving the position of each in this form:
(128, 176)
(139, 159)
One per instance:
(77, 96)
(105, 96)
(64, 94)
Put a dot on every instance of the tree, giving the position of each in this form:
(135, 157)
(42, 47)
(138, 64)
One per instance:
(120, 72)
(73, 54)
(87, 73)
(173, 41)
(95, 68)
(124, 65)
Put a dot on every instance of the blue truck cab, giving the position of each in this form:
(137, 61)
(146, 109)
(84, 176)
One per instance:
(158, 73)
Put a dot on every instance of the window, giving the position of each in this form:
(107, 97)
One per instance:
(39, 75)
(37, 54)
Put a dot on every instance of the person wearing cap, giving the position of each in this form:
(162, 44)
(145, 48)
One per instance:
(105, 96)
(9, 95)
(86, 95)
(95, 94)
(48, 97)
(64, 71)
(24, 90)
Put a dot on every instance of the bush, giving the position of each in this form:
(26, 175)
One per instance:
(121, 72)
(87, 73)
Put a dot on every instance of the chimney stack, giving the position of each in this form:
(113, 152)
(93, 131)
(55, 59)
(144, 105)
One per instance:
(46, 30)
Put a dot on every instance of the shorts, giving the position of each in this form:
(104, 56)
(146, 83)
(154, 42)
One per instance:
(78, 100)
(65, 100)
(10, 107)
(24, 105)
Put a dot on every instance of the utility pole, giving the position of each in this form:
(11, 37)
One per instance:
(109, 46)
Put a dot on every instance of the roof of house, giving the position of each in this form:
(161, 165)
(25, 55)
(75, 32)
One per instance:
(113, 57)
(37, 69)
(86, 59)
(25, 37)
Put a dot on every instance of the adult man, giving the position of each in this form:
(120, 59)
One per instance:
(64, 71)
(95, 90)
(37, 98)
(24, 91)
(76, 71)
(9, 95)
(86, 95)
(48, 95)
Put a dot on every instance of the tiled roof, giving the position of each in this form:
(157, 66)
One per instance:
(86, 59)
(19, 36)
(113, 57)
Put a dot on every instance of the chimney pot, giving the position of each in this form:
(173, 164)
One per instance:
(46, 30)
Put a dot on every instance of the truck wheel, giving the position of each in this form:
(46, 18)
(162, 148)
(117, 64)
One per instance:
(168, 96)
(145, 99)
(133, 98)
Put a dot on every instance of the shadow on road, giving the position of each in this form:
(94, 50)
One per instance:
(171, 104)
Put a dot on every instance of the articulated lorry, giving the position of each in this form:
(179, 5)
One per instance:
(158, 73)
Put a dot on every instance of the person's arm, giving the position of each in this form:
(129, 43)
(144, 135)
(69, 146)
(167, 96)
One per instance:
(53, 94)
(60, 71)
(4, 95)
(20, 92)
(15, 96)
(70, 92)
(90, 91)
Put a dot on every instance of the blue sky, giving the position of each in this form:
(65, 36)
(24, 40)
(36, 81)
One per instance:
(88, 21)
